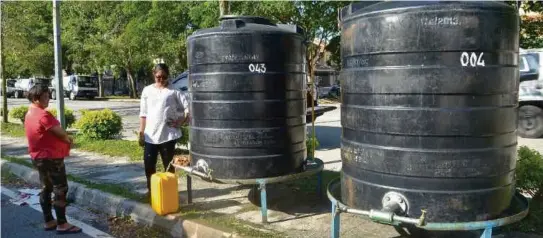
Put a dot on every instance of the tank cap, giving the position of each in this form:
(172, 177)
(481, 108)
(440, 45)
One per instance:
(235, 21)
(292, 28)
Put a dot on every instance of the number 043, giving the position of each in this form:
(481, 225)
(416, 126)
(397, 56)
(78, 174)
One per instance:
(259, 68)
(473, 60)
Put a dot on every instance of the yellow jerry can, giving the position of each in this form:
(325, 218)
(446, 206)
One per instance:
(164, 194)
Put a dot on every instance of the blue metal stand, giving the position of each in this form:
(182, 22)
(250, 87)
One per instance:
(263, 200)
(520, 204)
(487, 233)
(334, 232)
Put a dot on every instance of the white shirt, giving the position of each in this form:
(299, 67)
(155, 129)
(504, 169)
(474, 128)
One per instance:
(159, 106)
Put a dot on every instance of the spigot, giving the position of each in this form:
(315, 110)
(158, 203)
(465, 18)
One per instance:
(422, 218)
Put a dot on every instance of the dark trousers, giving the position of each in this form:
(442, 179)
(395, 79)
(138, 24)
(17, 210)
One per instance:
(53, 179)
(150, 155)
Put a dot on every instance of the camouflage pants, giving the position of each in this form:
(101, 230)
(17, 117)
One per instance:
(53, 179)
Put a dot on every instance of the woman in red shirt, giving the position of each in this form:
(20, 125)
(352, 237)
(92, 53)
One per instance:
(48, 144)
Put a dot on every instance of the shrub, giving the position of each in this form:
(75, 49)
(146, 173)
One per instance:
(68, 115)
(100, 125)
(309, 145)
(529, 171)
(19, 113)
(184, 140)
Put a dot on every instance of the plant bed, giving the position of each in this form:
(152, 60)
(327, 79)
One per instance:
(329, 100)
(181, 157)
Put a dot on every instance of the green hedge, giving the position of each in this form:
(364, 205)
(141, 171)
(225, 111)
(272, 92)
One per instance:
(101, 125)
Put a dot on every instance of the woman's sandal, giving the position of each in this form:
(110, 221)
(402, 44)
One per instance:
(70, 230)
(50, 228)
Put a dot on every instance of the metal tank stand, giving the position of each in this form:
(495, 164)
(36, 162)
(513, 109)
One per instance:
(390, 215)
(311, 167)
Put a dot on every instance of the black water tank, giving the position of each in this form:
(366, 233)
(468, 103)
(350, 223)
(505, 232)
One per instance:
(429, 97)
(247, 81)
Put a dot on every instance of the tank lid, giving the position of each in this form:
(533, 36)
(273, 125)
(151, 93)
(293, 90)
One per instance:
(235, 21)
(234, 24)
(292, 28)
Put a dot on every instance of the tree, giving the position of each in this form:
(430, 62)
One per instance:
(142, 33)
(4, 80)
(224, 7)
(28, 38)
(319, 19)
(84, 48)
(334, 47)
(168, 23)
(531, 27)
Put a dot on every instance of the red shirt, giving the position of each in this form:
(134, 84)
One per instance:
(43, 144)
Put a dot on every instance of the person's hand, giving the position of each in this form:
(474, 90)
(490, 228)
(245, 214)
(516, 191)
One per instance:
(71, 139)
(174, 123)
(141, 140)
(187, 120)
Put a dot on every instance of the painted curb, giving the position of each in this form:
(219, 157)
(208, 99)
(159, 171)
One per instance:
(118, 206)
(119, 100)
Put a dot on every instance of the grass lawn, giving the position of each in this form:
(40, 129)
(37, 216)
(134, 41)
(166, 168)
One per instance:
(119, 148)
(127, 148)
(13, 129)
(116, 97)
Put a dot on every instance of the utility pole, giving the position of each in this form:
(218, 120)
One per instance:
(58, 63)
(2, 59)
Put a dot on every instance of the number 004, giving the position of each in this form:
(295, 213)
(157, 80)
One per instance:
(473, 60)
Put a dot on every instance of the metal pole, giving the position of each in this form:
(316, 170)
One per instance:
(263, 201)
(58, 63)
(334, 231)
(2, 53)
(189, 189)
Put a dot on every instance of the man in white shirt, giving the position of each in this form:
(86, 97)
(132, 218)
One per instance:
(163, 110)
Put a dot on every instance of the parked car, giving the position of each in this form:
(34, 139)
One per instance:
(181, 82)
(537, 55)
(530, 121)
(10, 88)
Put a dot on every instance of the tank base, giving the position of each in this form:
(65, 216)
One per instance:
(518, 209)
(311, 167)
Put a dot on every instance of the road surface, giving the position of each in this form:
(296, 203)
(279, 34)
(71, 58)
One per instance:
(27, 221)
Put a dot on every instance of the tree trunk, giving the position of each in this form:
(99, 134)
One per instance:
(224, 7)
(113, 86)
(4, 80)
(132, 82)
(100, 85)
